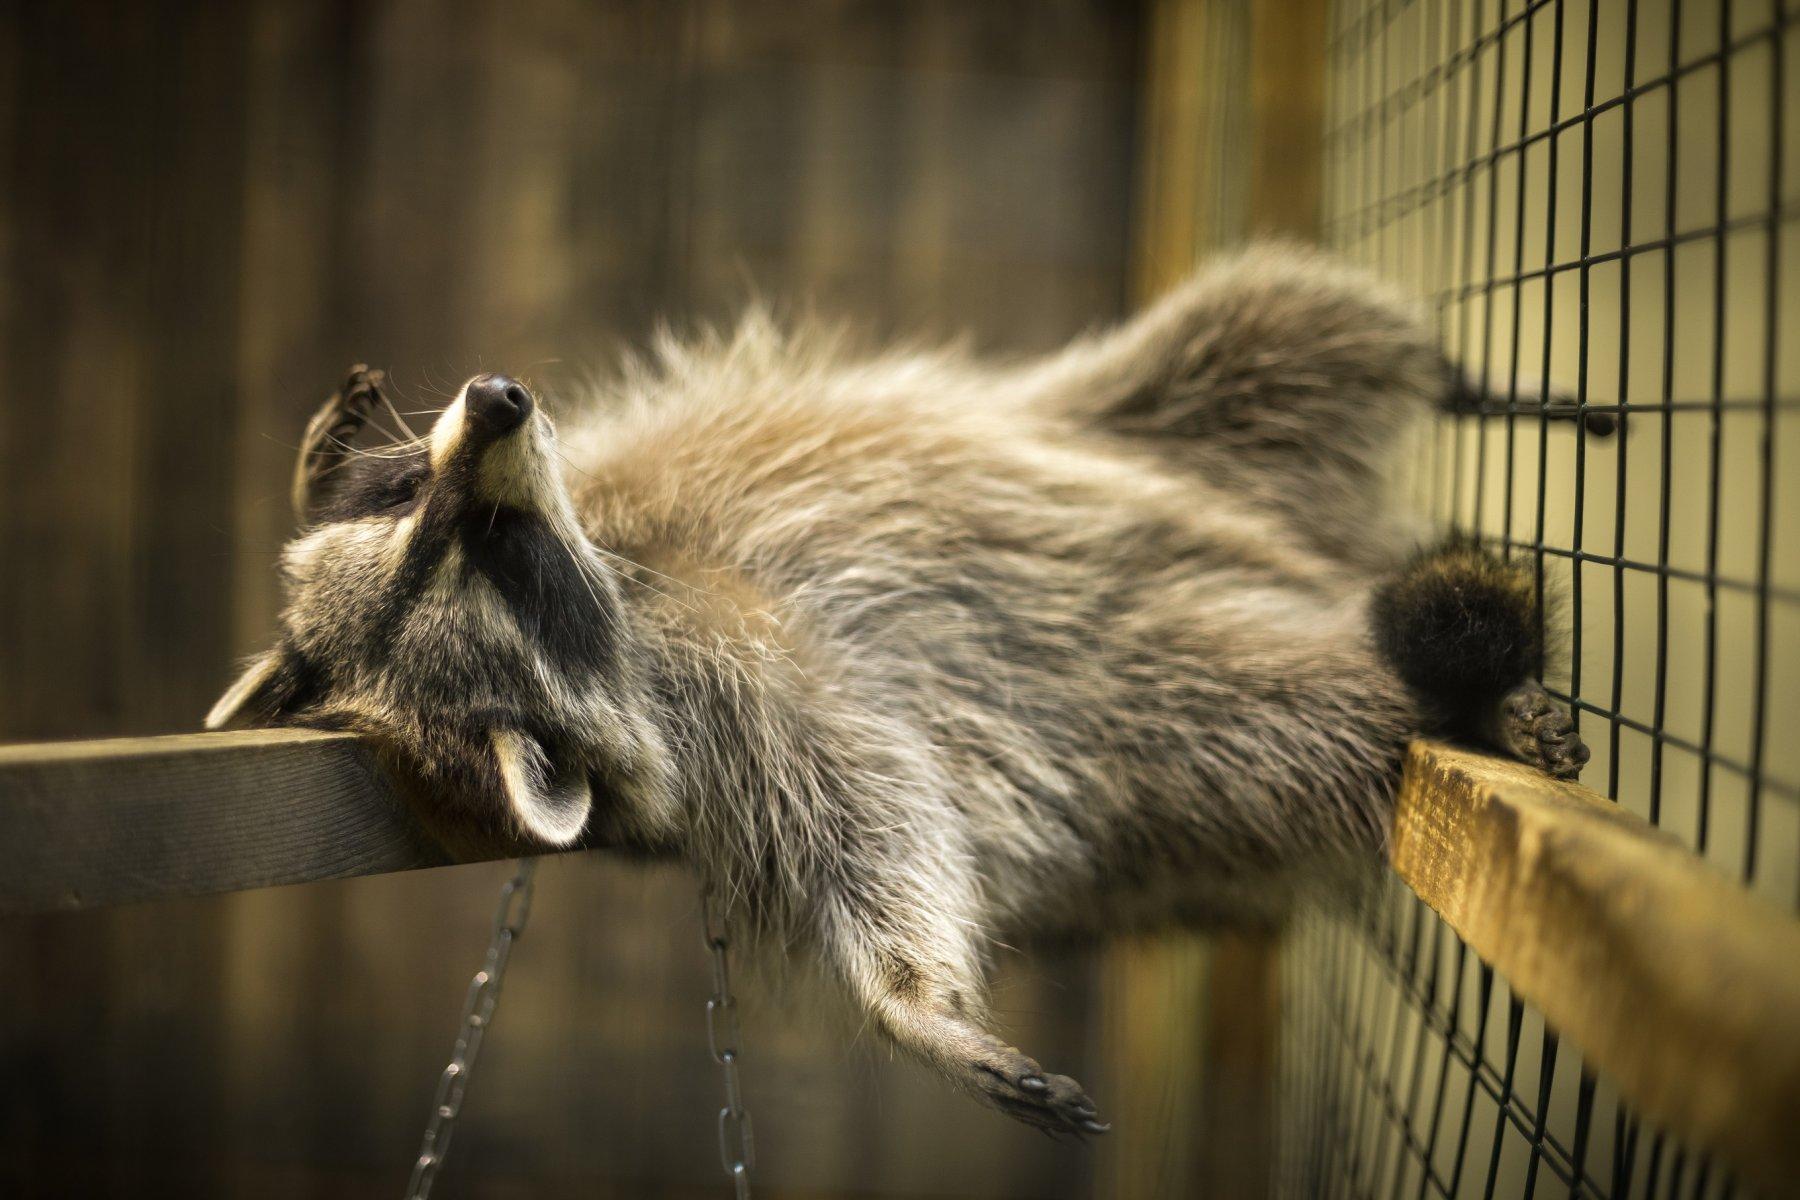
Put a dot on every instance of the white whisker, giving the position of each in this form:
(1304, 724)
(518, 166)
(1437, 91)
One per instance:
(400, 420)
(638, 566)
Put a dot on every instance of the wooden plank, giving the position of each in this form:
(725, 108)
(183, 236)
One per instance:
(108, 822)
(77, 183)
(1191, 1023)
(1677, 984)
(1154, 1026)
(1232, 111)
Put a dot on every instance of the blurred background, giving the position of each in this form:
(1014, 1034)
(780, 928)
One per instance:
(210, 211)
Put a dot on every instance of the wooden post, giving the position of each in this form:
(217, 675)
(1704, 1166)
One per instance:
(1153, 989)
(1232, 116)
(1287, 122)
(1242, 1028)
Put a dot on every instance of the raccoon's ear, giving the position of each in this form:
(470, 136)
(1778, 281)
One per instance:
(549, 801)
(271, 680)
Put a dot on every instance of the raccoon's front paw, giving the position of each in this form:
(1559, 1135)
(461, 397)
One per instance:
(1018, 1087)
(357, 400)
(1535, 729)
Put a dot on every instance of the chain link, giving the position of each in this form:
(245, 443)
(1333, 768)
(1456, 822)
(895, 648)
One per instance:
(477, 1015)
(737, 1141)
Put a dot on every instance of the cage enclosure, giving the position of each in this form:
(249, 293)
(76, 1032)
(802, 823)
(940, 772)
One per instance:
(1584, 991)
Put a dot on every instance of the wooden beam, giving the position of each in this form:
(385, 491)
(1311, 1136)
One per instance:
(1156, 1015)
(1677, 984)
(108, 822)
(1231, 120)
(1285, 86)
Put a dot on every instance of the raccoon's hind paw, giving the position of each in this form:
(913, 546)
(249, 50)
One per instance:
(1533, 728)
(1018, 1087)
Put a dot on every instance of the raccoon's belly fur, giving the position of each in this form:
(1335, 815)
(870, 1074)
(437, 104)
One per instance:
(1105, 687)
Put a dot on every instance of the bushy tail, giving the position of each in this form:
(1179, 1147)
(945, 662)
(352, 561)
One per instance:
(1462, 629)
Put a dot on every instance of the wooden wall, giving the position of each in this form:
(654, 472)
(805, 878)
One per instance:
(208, 212)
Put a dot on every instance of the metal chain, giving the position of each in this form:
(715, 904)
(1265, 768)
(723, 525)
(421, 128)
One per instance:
(737, 1143)
(477, 1015)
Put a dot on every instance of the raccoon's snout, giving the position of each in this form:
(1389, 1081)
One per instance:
(492, 414)
(498, 403)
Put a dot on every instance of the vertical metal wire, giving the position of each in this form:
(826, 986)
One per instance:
(1521, 163)
(1488, 272)
(1715, 443)
(1673, 164)
(1616, 695)
(1765, 542)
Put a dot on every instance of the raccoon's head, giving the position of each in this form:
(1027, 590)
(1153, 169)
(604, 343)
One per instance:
(442, 598)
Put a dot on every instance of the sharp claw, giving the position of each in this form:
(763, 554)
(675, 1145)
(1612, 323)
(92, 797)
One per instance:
(1096, 1127)
(1034, 1083)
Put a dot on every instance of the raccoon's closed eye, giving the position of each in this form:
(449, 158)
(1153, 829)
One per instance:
(403, 490)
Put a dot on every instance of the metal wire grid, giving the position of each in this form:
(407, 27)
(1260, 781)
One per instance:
(1601, 195)
(1633, 246)
(1410, 1070)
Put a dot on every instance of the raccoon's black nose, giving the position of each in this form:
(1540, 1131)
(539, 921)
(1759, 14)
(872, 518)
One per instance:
(499, 403)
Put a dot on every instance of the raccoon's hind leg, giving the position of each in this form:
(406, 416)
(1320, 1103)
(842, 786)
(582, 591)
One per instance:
(1528, 724)
(1463, 631)
(921, 988)
(849, 840)
(1279, 373)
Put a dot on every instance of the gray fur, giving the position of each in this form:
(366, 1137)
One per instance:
(911, 654)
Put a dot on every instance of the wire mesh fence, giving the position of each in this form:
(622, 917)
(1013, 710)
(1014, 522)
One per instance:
(1598, 202)
(1410, 1069)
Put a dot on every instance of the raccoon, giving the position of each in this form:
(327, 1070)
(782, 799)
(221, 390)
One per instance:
(910, 653)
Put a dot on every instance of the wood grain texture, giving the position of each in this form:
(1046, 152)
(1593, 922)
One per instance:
(108, 822)
(1677, 984)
